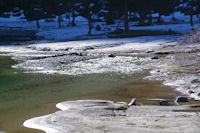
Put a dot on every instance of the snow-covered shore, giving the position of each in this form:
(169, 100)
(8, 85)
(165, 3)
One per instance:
(87, 56)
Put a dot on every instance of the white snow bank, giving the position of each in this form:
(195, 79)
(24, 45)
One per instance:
(94, 45)
(180, 28)
(106, 45)
(50, 30)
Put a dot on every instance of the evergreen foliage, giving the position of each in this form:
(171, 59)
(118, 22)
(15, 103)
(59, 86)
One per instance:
(100, 10)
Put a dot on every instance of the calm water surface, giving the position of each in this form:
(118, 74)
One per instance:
(23, 96)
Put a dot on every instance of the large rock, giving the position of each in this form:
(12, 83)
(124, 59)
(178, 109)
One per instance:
(164, 103)
(45, 49)
(155, 58)
(191, 92)
(195, 81)
(112, 55)
(181, 100)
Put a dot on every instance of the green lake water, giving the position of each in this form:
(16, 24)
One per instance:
(23, 96)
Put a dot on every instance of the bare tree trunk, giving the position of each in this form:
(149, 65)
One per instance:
(173, 17)
(90, 25)
(141, 19)
(126, 26)
(191, 16)
(73, 16)
(150, 18)
(89, 22)
(159, 18)
(59, 22)
(69, 20)
(73, 21)
(38, 25)
(191, 22)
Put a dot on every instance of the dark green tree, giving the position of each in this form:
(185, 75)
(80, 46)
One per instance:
(33, 10)
(6, 6)
(175, 7)
(56, 8)
(119, 9)
(73, 6)
(190, 7)
(88, 8)
(142, 9)
(163, 7)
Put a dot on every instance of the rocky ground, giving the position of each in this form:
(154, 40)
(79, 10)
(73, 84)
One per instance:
(98, 116)
(87, 56)
(179, 68)
(175, 63)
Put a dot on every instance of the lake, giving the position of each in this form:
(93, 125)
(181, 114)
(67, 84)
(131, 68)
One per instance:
(24, 96)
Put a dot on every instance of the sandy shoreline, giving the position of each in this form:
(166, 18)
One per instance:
(52, 89)
(94, 116)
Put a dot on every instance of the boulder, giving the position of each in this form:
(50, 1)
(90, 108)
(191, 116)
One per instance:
(181, 99)
(45, 49)
(65, 49)
(154, 58)
(191, 92)
(195, 106)
(162, 53)
(74, 54)
(150, 51)
(133, 102)
(164, 103)
(195, 81)
(112, 55)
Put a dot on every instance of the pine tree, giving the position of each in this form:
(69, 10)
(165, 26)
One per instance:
(142, 10)
(6, 6)
(164, 7)
(88, 8)
(55, 8)
(73, 9)
(126, 26)
(175, 7)
(33, 10)
(190, 7)
(119, 9)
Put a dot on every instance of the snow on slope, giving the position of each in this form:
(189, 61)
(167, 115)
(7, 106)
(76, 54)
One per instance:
(50, 30)
(108, 44)
(32, 59)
